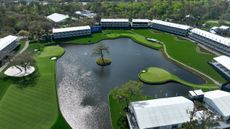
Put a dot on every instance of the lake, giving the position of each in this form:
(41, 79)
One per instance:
(83, 86)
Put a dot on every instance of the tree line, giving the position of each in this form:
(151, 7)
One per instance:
(31, 17)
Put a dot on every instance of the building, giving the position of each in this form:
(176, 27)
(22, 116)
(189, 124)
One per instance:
(56, 17)
(115, 23)
(219, 102)
(196, 95)
(70, 32)
(140, 23)
(86, 13)
(7, 45)
(214, 29)
(222, 64)
(96, 29)
(163, 113)
(224, 28)
(211, 40)
(226, 87)
(170, 27)
(220, 30)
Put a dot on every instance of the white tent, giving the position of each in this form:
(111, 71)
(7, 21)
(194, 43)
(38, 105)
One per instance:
(224, 61)
(4, 42)
(162, 112)
(219, 101)
(170, 24)
(56, 17)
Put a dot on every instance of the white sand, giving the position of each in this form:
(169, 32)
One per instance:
(15, 72)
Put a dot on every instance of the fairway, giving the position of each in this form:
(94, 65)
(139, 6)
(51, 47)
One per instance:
(33, 106)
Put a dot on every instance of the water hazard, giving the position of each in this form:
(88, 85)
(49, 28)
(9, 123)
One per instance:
(83, 86)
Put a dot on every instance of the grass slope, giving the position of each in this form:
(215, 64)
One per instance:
(185, 51)
(34, 106)
(158, 75)
(116, 111)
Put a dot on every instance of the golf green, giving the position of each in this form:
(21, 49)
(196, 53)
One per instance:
(154, 75)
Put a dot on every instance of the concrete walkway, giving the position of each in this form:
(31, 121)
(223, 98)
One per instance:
(20, 52)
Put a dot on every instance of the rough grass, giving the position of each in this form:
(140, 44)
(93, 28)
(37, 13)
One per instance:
(34, 106)
(116, 111)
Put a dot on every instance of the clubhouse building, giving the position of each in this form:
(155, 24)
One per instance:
(7, 45)
(115, 23)
(222, 64)
(213, 41)
(70, 32)
(170, 27)
(163, 113)
(140, 23)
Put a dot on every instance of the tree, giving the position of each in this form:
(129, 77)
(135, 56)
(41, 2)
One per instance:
(206, 119)
(23, 33)
(130, 91)
(24, 60)
(99, 50)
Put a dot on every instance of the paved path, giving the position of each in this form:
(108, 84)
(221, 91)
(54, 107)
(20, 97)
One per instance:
(20, 52)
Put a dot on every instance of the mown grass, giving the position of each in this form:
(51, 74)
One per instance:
(156, 75)
(34, 106)
(185, 51)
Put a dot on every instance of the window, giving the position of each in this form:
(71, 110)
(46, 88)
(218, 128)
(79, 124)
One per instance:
(174, 126)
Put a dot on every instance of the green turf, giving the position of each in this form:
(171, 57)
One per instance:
(157, 75)
(34, 106)
(116, 111)
(4, 85)
(185, 51)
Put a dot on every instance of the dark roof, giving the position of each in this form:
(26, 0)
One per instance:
(226, 86)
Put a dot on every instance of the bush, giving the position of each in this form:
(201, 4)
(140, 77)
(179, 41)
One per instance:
(100, 62)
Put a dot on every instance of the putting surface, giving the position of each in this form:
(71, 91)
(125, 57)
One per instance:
(155, 75)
